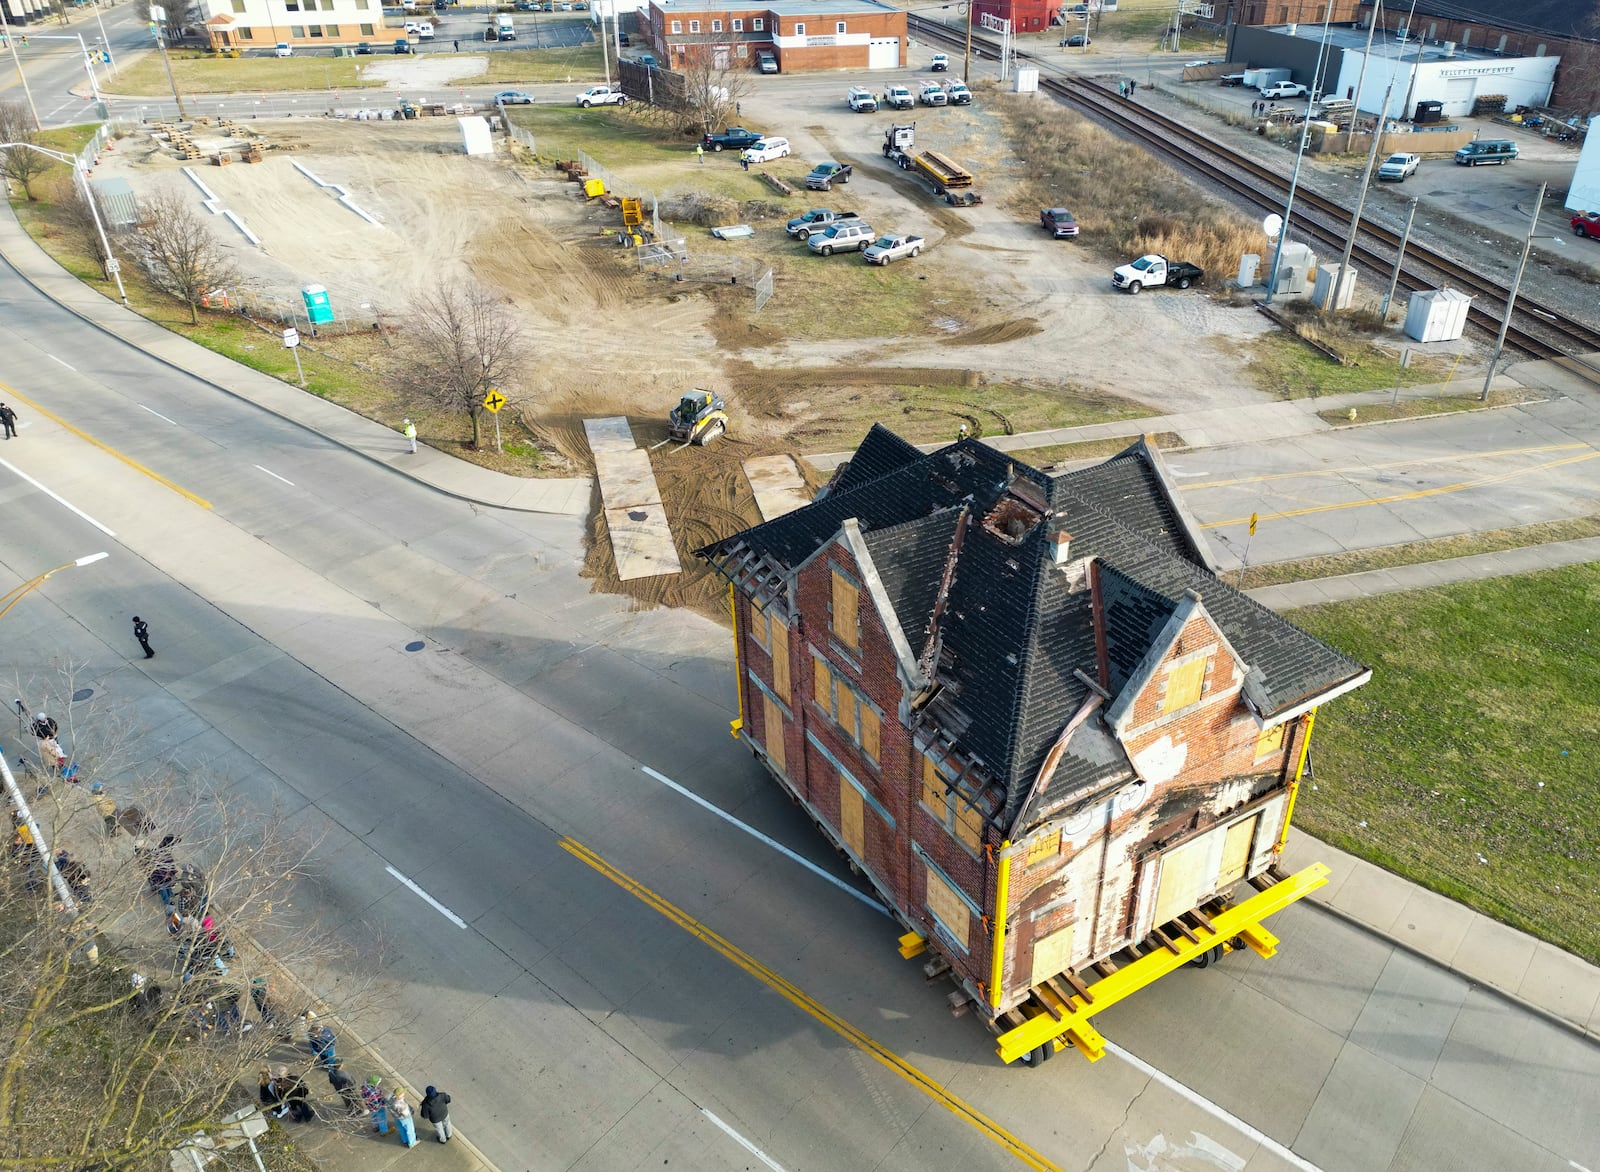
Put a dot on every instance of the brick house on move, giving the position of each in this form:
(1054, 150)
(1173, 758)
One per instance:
(979, 678)
(802, 35)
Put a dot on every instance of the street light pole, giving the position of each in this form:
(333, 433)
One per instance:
(1299, 156)
(113, 266)
(1511, 299)
(11, 41)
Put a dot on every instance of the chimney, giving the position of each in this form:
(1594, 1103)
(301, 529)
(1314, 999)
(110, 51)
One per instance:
(1060, 544)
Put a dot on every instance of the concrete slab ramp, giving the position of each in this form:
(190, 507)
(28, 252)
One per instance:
(641, 539)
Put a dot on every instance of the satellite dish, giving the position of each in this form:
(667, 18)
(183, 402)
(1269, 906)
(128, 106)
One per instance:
(1272, 225)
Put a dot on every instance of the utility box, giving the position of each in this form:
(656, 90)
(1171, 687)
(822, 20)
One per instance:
(1329, 276)
(1027, 80)
(1294, 269)
(1249, 267)
(1437, 315)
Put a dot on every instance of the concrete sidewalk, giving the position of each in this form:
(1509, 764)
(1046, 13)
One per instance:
(1535, 974)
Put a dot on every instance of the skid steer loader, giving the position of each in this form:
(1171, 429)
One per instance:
(700, 417)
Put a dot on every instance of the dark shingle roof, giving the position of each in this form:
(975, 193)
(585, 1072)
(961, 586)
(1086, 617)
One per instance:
(1012, 628)
(880, 452)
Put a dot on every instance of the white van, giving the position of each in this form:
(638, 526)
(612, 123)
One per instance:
(507, 30)
(766, 150)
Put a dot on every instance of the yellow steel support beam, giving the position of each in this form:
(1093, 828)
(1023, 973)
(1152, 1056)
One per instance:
(1294, 782)
(1002, 892)
(1243, 920)
(738, 668)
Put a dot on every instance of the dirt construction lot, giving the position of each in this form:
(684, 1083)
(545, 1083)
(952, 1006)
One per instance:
(995, 325)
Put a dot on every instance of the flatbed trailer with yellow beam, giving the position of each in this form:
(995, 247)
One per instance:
(1057, 1013)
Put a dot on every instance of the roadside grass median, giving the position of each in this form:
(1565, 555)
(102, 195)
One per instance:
(201, 73)
(579, 65)
(1467, 764)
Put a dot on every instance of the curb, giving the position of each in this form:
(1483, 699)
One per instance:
(243, 398)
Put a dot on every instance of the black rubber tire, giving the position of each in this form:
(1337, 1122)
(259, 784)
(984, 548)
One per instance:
(585, 105)
(803, 235)
(1183, 282)
(1134, 287)
(914, 252)
(1207, 958)
(826, 250)
(845, 178)
(1579, 230)
(716, 148)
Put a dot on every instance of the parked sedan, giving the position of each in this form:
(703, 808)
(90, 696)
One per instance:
(1076, 41)
(1586, 224)
(513, 98)
(887, 248)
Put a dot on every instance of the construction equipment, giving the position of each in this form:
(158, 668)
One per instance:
(700, 417)
(942, 172)
(634, 229)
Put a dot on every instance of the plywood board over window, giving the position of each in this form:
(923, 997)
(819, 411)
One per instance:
(772, 731)
(780, 659)
(1052, 954)
(1185, 682)
(851, 827)
(846, 617)
(1236, 851)
(949, 908)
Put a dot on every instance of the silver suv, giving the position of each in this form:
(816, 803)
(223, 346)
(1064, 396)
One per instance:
(851, 237)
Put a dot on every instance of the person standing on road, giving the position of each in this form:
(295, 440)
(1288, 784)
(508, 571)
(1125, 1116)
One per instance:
(457, 44)
(9, 418)
(404, 1124)
(141, 632)
(346, 1086)
(436, 1110)
(377, 1104)
(411, 436)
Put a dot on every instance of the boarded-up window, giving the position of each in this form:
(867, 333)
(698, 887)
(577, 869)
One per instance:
(948, 908)
(1186, 875)
(1236, 851)
(856, 718)
(760, 625)
(1269, 742)
(822, 685)
(1184, 684)
(846, 622)
(1052, 954)
(851, 822)
(1045, 846)
(772, 731)
(949, 807)
(869, 732)
(780, 659)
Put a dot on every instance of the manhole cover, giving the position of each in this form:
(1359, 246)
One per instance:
(415, 645)
(82, 694)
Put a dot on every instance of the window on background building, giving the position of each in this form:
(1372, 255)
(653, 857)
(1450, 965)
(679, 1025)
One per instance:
(366, 30)
(743, 51)
(716, 26)
(856, 718)
(942, 798)
(1184, 684)
(799, 30)
(838, 27)
(297, 30)
(292, 5)
(694, 26)
(238, 5)
(757, 23)
(246, 34)
(1269, 742)
(738, 24)
(316, 30)
(677, 26)
(362, 5)
(333, 30)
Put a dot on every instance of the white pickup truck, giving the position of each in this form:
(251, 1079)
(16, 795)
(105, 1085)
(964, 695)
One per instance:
(1153, 270)
(601, 95)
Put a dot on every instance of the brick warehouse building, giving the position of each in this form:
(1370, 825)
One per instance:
(1026, 16)
(1024, 705)
(804, 35)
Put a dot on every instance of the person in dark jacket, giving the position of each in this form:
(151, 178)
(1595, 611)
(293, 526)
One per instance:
(295, 1094)
(270, 1097)
(436, 1110)
(141, 632)
(346, 1086)
(8, 417)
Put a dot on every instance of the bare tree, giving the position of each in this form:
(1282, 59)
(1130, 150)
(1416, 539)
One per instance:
(713, 88)
(121, 1044)
(78, 215)
(185, 259)
(462, 342)
(18, 163)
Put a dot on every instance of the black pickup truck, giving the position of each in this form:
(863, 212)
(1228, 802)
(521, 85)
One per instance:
(735, 138)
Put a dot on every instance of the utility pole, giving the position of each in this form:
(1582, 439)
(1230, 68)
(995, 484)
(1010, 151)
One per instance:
(1361, 202)
(5, 30)
(1511, 300)
(1299, 157)
(158, 16)
(966, 61)
(1400, 255)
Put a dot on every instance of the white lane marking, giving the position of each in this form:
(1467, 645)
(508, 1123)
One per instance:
(437, 906)
(60, 500)
(1210, 1108)
(158, 414)
(68, 365)
(275, 476)
(773, 843)
(1578, 1166)
(744, 1143)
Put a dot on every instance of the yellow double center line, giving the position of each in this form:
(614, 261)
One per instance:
(958, 1107)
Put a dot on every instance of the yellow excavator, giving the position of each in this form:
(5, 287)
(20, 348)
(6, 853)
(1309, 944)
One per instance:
(700, 417)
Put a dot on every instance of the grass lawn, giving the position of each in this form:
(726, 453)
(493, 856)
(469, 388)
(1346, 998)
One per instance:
(201, 73)
(1284, 365)
(1467, 764)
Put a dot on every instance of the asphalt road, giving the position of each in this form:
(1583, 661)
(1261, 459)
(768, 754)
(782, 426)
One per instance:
(499, 768)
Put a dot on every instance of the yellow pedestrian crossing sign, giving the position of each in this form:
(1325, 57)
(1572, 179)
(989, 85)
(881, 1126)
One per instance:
(494, 400)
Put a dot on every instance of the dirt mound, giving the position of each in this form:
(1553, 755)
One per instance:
(996, 333)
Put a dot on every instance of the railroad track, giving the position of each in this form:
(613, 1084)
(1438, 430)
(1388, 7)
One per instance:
(1536, 329)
